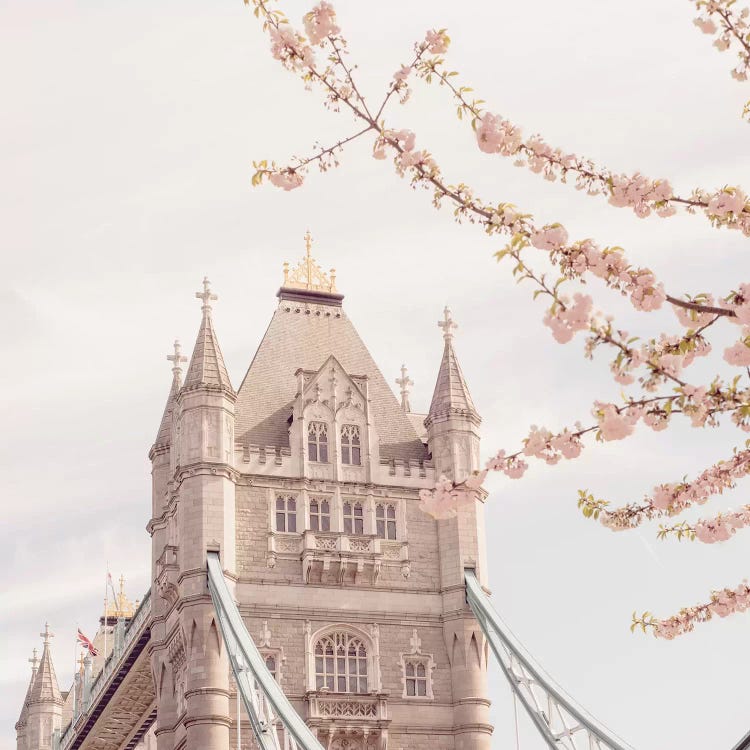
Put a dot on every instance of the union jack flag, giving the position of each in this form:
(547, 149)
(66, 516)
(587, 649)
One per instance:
(82, 640)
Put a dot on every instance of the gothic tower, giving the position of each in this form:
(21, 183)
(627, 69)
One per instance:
(44, 702)
(193, 480)
(307, 480)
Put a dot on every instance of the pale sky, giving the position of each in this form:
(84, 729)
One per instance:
(125, 160)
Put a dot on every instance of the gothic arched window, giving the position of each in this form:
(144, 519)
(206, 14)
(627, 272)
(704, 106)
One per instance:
(385, 520)
(320, 515)
(416, 676)
(351, 452)
(341, 663)
(354, 520)
(317, 442)
(286, 513)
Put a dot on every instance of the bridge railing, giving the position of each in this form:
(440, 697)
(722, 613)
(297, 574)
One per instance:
(124, 636)
(273, 720)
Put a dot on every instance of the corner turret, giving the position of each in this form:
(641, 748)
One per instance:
(44, 700)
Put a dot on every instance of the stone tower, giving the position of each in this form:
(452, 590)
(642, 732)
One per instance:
(193, 480)
(42, 711)
(307, 479)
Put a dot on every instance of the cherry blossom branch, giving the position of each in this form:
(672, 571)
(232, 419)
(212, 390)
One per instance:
(668, 500)
(721, 528)
(723, 603)
(726, 207)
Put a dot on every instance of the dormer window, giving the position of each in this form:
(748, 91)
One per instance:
(350, 446)
(317, 442)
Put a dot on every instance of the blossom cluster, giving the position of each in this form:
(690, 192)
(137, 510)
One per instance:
(722, 604)
(729, 27)
(722, 527)
(671, 499)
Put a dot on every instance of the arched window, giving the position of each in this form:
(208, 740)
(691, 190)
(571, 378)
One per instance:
(341, 663)
(385, 521)
(350, 446)
(286, 513)
(317, 442)
(320, 515)
(354, 521)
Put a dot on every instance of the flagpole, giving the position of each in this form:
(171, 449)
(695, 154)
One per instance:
(75, 667)
(106, 619)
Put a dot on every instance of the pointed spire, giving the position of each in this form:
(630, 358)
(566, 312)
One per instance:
(207, 365)
(405, 382)
(44, 688)
(451, 393)
(34, 661)
(164, 436)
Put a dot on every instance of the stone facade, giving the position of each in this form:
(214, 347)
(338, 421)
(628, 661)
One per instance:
(306, 480)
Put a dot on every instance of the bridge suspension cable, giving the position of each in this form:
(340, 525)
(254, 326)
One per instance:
(560, 721)
(273, 720)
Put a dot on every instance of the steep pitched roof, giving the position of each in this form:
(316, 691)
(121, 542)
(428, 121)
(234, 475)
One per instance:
(164, 436)
(25, 708)
(304, 331)
(44, 688)
(451, 393)
(207, 363)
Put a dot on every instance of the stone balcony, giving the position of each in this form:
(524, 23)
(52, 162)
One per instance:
(346, 721)
(338, 558)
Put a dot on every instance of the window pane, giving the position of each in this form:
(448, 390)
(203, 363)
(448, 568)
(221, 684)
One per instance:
(292, 522)
(410, 670)
(329, 682)
(280, 503)
(324, 453)
(312, 452)
(391, 529)
(391, 512)
(347, 525)
(356, 456)
(325, 507)
(347, 509)
(420, 670)
(314, 522)
(319, 664)
(362, 685)
(314, 506)
(326, 523)
(381, 528)
(342, 684)
(410, 687)
(357, 510)
(422, 687)
(291, 504)
(379, 511)
(319, 682)
(358, 526)
(280, 526)
(329, 664)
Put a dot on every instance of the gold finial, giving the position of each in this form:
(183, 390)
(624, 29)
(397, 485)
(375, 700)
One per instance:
(81, 665)
(308, 274)
(121, 607)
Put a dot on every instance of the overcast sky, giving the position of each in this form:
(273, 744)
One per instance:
(125, 161)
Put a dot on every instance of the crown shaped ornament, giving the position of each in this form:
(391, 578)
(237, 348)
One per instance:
(308, 274)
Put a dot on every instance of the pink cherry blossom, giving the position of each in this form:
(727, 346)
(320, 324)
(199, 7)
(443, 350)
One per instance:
(614, 425)
(286, 179)
(729, 200)
(498, 136)
(550, 237)
(320, 23)
(706, 25)
(437, 42)
(738, 354)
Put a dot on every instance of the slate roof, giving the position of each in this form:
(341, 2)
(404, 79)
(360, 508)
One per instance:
(164, 436)
(451, 392)
(303, 333)
(207, 363)
(45, 687)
